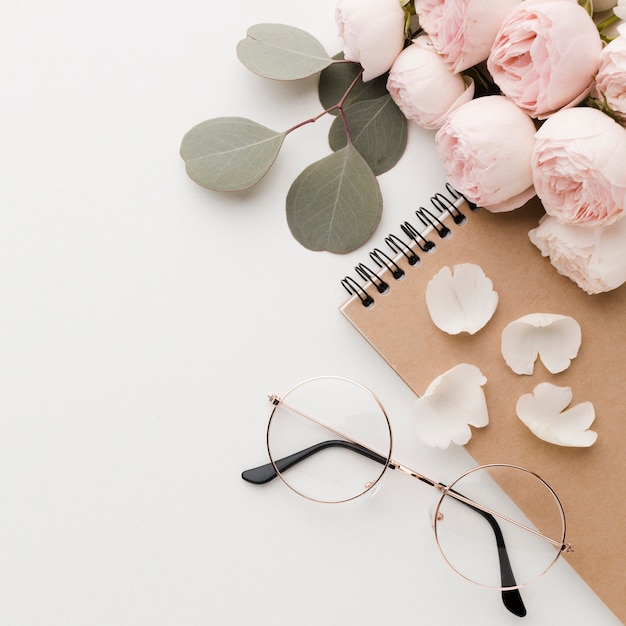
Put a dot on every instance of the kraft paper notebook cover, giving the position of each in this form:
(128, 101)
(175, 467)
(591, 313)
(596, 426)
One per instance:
(589, 481)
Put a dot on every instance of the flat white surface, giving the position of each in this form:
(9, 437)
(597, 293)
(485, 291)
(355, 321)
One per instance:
(144, 320)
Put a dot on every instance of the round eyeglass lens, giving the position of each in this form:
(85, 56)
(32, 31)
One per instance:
(484, 535)
(329, 439)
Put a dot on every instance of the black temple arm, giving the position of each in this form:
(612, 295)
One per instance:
(511, 598)
(264, 473)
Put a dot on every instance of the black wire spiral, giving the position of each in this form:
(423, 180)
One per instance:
(407, 249)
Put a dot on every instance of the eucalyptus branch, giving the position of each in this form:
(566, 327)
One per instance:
(367, 137)
(339, 106)
(311, 120)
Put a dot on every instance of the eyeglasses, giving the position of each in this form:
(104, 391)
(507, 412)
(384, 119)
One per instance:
(329, 440)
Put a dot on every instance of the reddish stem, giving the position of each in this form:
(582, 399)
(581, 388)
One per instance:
(338, 106)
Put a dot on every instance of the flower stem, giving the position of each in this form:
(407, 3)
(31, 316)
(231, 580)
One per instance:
(607, 22)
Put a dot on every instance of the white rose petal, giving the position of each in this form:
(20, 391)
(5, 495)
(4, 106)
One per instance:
(461, 299)
(554, 338)
(451, 403)
(543, 412)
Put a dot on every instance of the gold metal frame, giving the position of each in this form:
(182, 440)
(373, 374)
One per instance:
(276, 401)
(561, 545)
(446, 490)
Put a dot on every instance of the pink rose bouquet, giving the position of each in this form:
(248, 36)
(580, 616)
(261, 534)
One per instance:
(544, 117)
(528, 97)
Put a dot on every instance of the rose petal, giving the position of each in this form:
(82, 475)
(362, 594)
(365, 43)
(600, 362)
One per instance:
(577, 167)
(611, 76)
(594, 258)
(461, 299)
(620, 10)
(463, 30)
(451, 403)
(545, 55)
(543, 413)
(479, 163)
(554, 338)
(371, 32)
(424, 89)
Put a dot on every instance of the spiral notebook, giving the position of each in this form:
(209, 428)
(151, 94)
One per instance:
(387, 306)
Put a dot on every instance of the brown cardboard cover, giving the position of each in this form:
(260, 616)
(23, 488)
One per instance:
(589, 481)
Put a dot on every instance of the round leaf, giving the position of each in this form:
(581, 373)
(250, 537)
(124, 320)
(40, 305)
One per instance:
(282, 52)
(229, 153)
(378, 130)
(335, 204)
(337, 78)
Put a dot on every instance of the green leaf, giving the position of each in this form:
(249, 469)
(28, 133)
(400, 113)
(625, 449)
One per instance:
(229, 153)
(378, 130)
(335, 204)
(282, 52)
(337, 78)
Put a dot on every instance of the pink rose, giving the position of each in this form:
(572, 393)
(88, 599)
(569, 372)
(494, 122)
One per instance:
(485, 146)
(372, 32)
(611, 77)
(594, 258)
(546, 55)
(423, 87)
(463, 30)
(579, 167)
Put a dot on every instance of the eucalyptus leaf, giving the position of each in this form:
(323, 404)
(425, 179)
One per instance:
(335, 204)
(337, 78)
(229, 153)
(378, 130)
(282, 52)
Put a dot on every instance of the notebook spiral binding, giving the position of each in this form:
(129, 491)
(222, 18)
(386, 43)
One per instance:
(406, 250)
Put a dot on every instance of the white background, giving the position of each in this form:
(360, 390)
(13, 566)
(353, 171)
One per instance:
(143, 321)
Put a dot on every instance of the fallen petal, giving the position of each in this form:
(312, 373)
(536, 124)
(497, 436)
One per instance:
(461, 299)
(555, 339)
(544, 413)
(452, 403)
